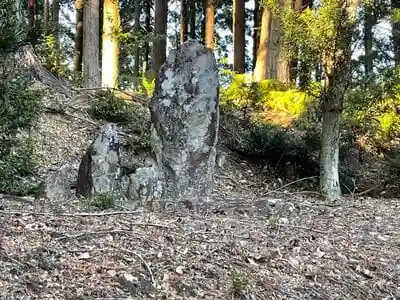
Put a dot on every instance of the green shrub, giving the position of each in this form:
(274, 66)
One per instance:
(110, 108)
(17, 170)
(135, 120)
(267, 95)
(19, 110)
(371, 105)
(12, 32)
(240, 282)
(101, 201)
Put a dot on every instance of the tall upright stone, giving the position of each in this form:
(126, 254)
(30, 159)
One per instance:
(185, 116)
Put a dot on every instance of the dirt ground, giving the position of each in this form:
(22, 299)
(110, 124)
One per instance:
(251, 240)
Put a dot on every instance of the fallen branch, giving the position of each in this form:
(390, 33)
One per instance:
(11, 259)
(63, 112)
(153, 281)
(143, 99)
(100, 214)
(303, 228)
(290, 183)
(79, 235)
(226, 177)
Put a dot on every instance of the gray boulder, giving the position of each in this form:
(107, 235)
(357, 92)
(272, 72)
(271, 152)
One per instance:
(100, 171)
(58, 184)
(185, 116)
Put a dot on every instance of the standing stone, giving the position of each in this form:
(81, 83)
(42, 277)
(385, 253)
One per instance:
(185, 116)
(100, 171)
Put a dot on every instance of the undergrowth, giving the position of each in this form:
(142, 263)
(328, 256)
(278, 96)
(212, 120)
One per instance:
(290, 153)
(135, 121)
(20, 107)
(102, 201)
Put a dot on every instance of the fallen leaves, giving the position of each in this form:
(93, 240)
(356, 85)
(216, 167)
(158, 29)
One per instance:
(179, 254)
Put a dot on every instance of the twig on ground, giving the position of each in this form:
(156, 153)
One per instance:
(76, 236)
(153, 281)
(63, 112)
(131, 95)
(100, 214)
(290, 183)
(226, 177)
(303, 228)
(21, 264)
(367, 191)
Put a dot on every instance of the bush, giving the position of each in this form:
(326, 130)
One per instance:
(101, 201)
(136, 121)
(372, 105)
(110, 108)
(19, 109)
(12, 32)
(267, 95)
(20, 106)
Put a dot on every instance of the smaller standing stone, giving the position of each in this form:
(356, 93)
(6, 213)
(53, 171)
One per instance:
(99, 171)
(58, 185)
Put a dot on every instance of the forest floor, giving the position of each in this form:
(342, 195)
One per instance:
(250, 241)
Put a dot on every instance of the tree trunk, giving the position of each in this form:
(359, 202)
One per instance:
(110, 50)
(261, 69)
(137, 29)
(146, 46)
(209, 23)
(256, 31)
(183, 32)
(280, 62)
(369, 22)
(160, 32)
(239, 40)
(55, 16)
(338, 73)
(31, 19)
(101, 21)
(294, 64)
(318, 73)
(46, 16)
(91, 43)
(78, 36)
(396, 33)
(192, 19)
(329, 177)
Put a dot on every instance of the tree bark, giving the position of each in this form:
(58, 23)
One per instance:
(280, 63)
(209, 23)
(46, 16)
(183, 32)
(369, 22)
(91, 43)
(294, 64)
(136, 72)
(110, 50)
(160, 32)
(396, 34)
(55, 16)
(256, 31)
(78, 36)
(239, 40)
(146, 46)
(31, 16)
(192, 19)
(337, 72)
(261, 71)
